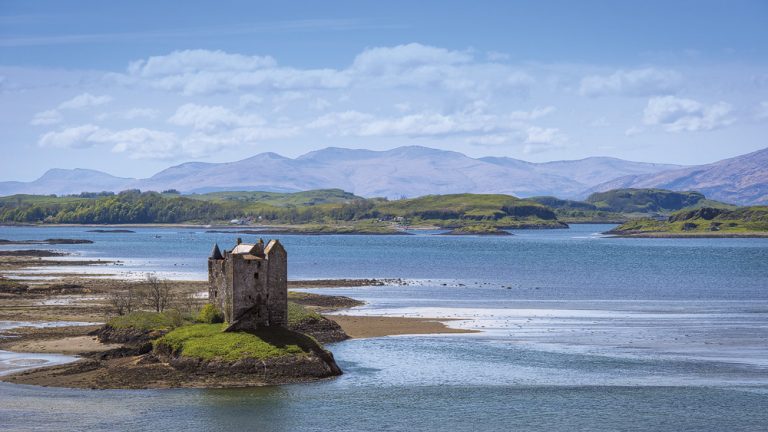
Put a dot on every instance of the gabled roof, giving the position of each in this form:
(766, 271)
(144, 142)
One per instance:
(243, 248)
(273, 244)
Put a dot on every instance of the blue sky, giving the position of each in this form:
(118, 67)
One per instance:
(134, 87)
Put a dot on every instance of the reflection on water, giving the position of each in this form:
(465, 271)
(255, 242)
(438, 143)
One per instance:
(580, 333)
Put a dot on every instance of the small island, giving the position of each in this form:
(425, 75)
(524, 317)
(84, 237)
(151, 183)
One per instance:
(248, 334)
(705, 222)
(477, 230)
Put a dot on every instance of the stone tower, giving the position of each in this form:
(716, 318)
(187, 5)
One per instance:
(249, 284)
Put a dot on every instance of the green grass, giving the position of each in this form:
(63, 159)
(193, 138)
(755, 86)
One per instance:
(143, 320)
(298, 313)
(278, 199)
(209, 342)
(479, 230)
(649, 201)
(712, 221)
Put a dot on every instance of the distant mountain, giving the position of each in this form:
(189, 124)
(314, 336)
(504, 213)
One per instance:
(63, 181)
(404, 171)
(740, 180)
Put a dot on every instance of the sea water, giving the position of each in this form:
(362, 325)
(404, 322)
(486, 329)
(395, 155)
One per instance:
(578, 331)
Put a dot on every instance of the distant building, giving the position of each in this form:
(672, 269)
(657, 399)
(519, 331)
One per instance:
(249, 284)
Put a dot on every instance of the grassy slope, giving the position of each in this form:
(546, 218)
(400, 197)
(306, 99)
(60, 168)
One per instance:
(457, 210)
(649, 201)
(703, 221)
(209, 341)
(312, 197)
(321, 211)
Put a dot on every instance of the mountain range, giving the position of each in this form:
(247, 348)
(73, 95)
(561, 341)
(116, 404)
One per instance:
(415, 171)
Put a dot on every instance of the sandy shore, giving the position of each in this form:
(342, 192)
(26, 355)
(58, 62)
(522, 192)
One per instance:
(72, 297)
(375, 326)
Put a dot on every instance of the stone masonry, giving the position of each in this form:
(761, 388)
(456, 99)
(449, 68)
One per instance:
(249, 284)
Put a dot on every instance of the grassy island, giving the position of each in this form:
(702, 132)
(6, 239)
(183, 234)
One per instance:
(478, 230)
(702, 222)
(210, 342)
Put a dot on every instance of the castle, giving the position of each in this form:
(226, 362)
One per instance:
(249, 284)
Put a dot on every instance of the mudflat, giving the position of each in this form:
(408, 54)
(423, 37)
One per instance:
(74, 297)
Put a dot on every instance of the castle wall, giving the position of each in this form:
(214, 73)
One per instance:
(277, 262)
(251, 292)
(219, 288)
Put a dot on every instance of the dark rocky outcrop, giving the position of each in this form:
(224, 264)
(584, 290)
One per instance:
(323, 329)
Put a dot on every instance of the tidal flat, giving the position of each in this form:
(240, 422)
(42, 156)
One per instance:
(566, 321)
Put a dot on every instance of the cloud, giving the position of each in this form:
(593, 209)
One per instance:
(84, 100)
(74, 137)
(476, 126)
(400, 58)
(675, 114)
(81, 101)
(203, 117)
(762, 111)
(199, 72)
(637, 82)
(143, 143)
(195, 72)
(48, 117)
(540, 139)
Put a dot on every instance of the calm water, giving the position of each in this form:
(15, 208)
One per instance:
(579, 332)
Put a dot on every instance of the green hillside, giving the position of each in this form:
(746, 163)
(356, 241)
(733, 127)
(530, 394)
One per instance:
(648, 200)
(465, 209)
(312, 197)
(705, 221)
(334, 208)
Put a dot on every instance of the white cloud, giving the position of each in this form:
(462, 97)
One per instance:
(496, 56)
(197, 72)
(195, 61)
(633, 130)
(140, 143)
(675, 114)
(81, 101)
(85, 100)
(762, 111)
(143, 143)
(194, 72)
(205, 117)
(540, 139)
(74, 137)
(130, 114)
(481, 127)
(397, 59)
(637, 82)
(48, 117)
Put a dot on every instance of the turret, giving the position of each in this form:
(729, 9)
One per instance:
(216, 253)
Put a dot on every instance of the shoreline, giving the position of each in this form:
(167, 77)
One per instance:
(755, 234)
(76, 298)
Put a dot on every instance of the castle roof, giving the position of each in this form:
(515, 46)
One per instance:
(243, 248)
(216, 253)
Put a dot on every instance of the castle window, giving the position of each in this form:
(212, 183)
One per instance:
(256, 275)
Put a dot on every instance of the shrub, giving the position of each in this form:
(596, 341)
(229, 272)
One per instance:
(209, 314)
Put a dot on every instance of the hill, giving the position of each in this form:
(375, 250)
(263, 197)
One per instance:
(466, 209)
(648, 200)
(740, 180)
(320, 211)
(702, 222)
(404, 171)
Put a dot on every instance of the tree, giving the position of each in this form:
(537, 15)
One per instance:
(157, 292)
(124, 301)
